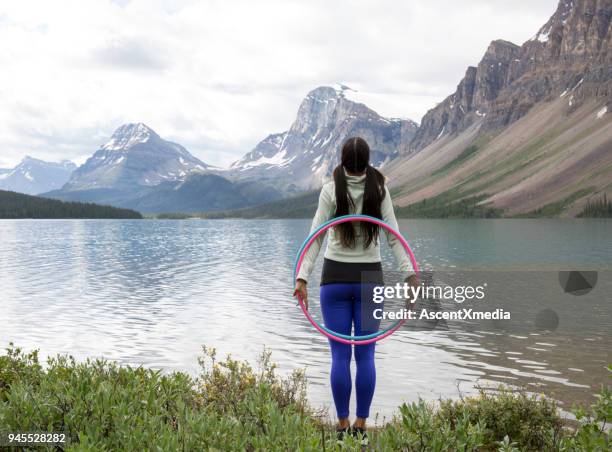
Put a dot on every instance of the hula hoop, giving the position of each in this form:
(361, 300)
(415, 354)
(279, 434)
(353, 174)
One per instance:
(307, 244)
(343, 338)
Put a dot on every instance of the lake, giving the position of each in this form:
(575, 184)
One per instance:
(152, 292)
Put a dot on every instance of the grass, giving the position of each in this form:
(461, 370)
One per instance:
(477, 144)
(234, 406)
(531, 153)
(462, 157)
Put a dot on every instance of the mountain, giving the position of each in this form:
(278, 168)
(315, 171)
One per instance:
(137, 169)
(33, 176)
(202, 193)
(302, 157)
(199, 192)
(527, 132)
(19, 205)
(472, 100)
(134, 156)
(569, 55)
(303, 205)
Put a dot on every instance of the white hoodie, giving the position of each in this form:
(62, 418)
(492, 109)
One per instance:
(338, 252)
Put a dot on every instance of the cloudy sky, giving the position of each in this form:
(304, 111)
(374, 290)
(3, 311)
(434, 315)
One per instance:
(218, 76)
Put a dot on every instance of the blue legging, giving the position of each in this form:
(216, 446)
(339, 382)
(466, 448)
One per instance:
(341, 306)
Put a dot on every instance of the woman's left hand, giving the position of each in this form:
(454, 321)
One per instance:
(300, 288)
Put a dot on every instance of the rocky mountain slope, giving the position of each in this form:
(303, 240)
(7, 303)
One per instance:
(33, 176)
(302, 157)
(528, 130)
(570, 54)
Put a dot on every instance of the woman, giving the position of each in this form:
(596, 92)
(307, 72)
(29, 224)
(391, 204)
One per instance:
(352, 250)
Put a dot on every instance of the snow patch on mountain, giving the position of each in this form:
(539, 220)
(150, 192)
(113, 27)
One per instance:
(277, 159)
(602, 112)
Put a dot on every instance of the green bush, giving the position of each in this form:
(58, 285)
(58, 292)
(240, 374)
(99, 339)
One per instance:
(420, 427)
(103, 406)
(591, 434)
(233, 406)
(526, 419)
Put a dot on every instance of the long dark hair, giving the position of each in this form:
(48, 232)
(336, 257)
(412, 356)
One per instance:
(355, 158)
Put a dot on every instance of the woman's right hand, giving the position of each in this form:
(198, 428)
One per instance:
(300, 288)
(412, 281)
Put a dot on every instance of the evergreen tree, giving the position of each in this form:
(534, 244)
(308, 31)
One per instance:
(18, 205)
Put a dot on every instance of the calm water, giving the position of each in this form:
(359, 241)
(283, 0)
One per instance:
(152, 292)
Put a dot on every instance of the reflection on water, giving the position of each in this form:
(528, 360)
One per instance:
(152, 292)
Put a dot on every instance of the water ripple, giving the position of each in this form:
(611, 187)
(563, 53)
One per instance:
(152, 292)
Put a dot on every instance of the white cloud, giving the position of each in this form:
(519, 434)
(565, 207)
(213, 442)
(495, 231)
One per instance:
(218, 76)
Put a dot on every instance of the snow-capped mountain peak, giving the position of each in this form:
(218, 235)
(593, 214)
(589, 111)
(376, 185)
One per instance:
(304, 156)
(134, 156)
(33, 176)
(129, 135)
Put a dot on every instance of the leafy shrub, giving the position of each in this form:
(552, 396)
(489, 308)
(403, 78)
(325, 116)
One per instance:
(233, 406)
(224, 383)
(526, 419)
(420, 427)
(591, 433)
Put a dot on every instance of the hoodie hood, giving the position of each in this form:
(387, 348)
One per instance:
(355, 181)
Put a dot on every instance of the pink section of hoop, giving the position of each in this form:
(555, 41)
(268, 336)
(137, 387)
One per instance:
(307, 247)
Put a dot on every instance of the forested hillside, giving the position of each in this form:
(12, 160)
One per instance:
(17, 205)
